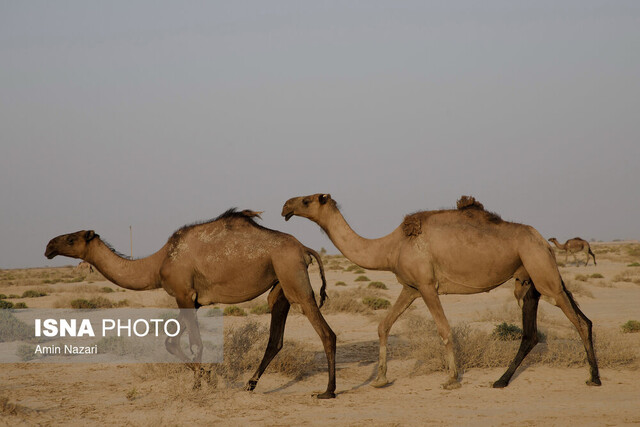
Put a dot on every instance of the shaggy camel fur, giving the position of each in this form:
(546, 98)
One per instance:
(230, 259)
(462, 251)
(572, 246)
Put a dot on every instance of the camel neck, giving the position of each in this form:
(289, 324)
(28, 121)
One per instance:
(558, 245)
(372, 254)
(139, 274)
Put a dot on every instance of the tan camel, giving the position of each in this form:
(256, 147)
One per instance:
(84, 265)
(572, 246)
(462, 251)
(228, 260)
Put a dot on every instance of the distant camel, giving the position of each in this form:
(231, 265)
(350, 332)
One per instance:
(572, 246)
(228, 260)
(462, 251)
(84, 265)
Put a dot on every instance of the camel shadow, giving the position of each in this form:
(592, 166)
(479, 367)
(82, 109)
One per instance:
(362, 352)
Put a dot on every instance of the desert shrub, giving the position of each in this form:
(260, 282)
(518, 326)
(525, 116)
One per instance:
(634, 264)
(13, 296)
(507, 332)
(631, 326)
(244, 348)
(361, 279)
(3, 296)
(234, 310)
(5, 304)
(347, 301)
(26, 352)
(20, 305)
(358, 271)
(213, 312)
(352, 267)
(31, 293)
(376, 303)
(341, 283)
(377, 285)
(334, 265)
(627, 276)
(597, 276)
(261, 309)
(581, 277)
(97, 302)
(12, 328)
(107, 290)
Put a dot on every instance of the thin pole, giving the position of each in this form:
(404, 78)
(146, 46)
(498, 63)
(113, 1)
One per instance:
(131, 238)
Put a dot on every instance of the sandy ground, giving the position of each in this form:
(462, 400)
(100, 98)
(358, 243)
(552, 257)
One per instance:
(46, 394)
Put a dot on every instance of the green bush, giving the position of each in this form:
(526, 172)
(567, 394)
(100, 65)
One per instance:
(20, 305)
(261, 309)
(634, 264)
(597, 276)
(362, 279)
(234, 310)
(631, 326)
(358, 270)
(97, 302)
(376, 303)
(377, 285)
(507, 332)
(341, 283)
(5, 304)
(33, 294)
(107, 290)
(3, 296)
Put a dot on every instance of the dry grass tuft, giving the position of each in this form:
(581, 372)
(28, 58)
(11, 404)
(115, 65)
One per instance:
(348, 301)
(631, 276)
(478, 349)
(630, 326)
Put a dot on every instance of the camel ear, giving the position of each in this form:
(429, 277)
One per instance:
(324, 198)
(90, 235)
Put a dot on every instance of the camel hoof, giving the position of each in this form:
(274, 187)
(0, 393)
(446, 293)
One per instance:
(326, 395)
(451, 385)
(594, 382)
(251, 385)
(379, 382)
(500, 384)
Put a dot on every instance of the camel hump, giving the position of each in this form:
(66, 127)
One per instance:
(412, 225)
(469, 202)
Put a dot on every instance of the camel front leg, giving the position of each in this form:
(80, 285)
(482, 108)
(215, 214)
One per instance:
(430, 296)
(406, 297)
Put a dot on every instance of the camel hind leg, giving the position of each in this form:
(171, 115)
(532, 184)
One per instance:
(529, 334)
(294, 279)
(279, 311)
(584, 326)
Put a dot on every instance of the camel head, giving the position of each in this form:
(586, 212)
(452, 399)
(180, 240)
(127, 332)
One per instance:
(311, 207)
(553, 239)
(73, 245)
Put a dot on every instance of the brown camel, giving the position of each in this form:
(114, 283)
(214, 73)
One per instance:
(230, 259)
(572, 246)
(463, 251)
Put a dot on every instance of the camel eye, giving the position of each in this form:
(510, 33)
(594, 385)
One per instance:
(305, 202)
(70, 240)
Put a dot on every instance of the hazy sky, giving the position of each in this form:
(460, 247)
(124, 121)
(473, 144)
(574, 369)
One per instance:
(156, 114)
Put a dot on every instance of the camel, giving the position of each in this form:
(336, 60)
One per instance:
(459, 251)
(84, 265)
(228, 260)
(572, 246)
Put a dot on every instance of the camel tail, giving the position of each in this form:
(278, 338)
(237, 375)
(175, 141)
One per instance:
(593, 255)
(323, 289)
